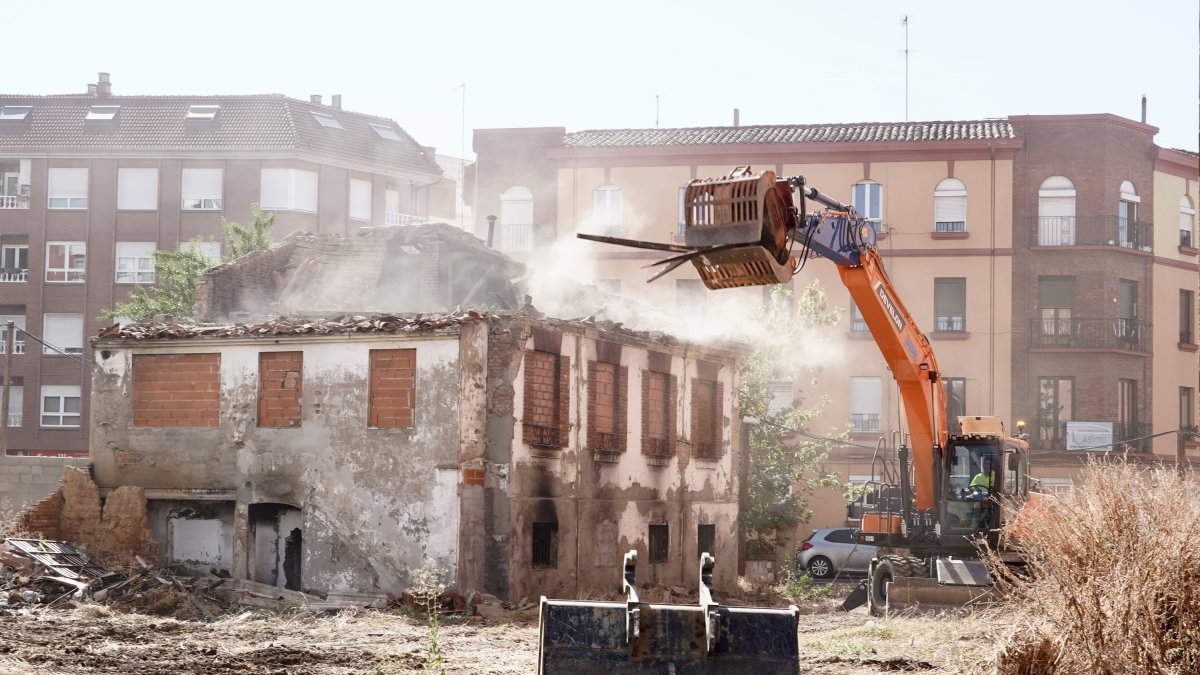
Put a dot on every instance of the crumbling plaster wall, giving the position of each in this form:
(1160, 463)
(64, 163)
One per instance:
(604, 508)
(376, 502)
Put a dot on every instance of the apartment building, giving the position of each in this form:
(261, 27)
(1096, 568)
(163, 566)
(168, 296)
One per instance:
(91, 184)
(982, 224)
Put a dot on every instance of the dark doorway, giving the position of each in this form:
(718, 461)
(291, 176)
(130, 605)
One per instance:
(276, 545)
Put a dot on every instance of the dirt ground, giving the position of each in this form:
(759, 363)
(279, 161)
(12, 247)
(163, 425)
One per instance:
(95, 639)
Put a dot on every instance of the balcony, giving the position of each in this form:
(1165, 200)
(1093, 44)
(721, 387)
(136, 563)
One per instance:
(515, 238)
(864, 423)
(13, 275)
(14, 419)
(1123, 334)
(392, 218)
(18, 345)
(1058, 231)
(14, 201)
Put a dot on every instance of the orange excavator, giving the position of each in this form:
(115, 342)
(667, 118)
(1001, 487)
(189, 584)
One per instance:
(935, 499)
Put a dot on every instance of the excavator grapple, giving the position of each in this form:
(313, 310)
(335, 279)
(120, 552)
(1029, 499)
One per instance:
(623, 638)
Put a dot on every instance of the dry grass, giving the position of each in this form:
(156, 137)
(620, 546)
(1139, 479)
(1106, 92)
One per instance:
(1114, 579)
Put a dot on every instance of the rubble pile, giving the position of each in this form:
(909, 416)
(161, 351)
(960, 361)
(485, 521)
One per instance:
(346, 323)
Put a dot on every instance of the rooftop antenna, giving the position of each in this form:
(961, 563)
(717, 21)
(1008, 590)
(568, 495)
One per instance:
(905, 24)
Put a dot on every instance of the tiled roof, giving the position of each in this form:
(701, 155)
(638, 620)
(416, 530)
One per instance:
(267, 122)
(340, 324)
(879, 132)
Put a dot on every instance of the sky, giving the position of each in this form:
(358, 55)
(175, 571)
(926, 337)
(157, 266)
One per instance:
(442, 66)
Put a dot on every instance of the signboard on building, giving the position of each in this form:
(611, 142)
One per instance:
(1089, 436)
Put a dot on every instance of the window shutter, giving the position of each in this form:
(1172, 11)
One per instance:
(1056, 207)
(137, 189)
(64, 331)
(304, 193)
(360, 199)
(202, 183)
(949, 209)
(1056, 292)
(516, 212)
(1185, 222)
(68, 182)
(274, 189)
(949, 297)
(866, 394)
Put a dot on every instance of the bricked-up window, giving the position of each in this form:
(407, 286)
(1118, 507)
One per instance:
(545, 545)
(706, 418)
(279, 388)
(659, 394)
(176, 390)
(608, 396)
(393, 388)
(706, 539)
(545, 423)
(659, 543)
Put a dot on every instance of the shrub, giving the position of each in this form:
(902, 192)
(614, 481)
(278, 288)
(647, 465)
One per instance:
(1112, 581)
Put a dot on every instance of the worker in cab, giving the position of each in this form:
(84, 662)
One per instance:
(985, 480)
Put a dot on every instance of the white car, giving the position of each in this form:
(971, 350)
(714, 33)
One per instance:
(829, 551)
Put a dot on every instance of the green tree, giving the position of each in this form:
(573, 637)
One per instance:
(785, 457)
(177, 272)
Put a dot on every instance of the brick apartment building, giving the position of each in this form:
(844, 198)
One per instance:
(91, 184)
(1031, 250)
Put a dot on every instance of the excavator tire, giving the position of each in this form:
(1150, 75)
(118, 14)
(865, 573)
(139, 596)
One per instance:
(888, 568)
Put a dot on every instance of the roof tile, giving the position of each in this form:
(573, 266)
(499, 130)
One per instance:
(795, 133)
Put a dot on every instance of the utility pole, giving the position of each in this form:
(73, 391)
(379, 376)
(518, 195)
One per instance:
(9, 333)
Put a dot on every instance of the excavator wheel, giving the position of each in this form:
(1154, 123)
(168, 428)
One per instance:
(884, 572)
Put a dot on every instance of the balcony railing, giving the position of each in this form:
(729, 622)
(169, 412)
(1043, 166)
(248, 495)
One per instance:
(545, 437)
(950, 324)
(403, 219)
(14, 202)
(14, 419)
(18, 345)
(13, 275)
(1185, 238)
(864, 423)
(516, 238)
(659, 447)
(1092, 231)
(950, 226)
(605, 441)
(1128, 334)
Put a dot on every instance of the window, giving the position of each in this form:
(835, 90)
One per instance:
(176, 390)
(1187, 220)
(14, 260)
(1056, 300)
(208, 249)
(1056, 405)
(682, 211)
(868, 500)
(14, 112)
(868, 198)
(1128, 328)
(327, 121)
(691, 296)
(608, 393)
(1127, 214)
(360, 199)
(545, 545)
(16, 403)
(202, 189)
(66, 261)
(866, 394)
(203, 112)
(783, 396)
(706, 418)
(62, 333)
(658, 414)
(279, 388)
(1127, 408)
(545, 422)
(101, 112)
(950, 206)
(516, 219)
(386, 132)
(1187, 408)
(60, 405)
(68, 189)
(1056, 212)
(393, 389)
(289, 190)
(137, 189)
(606, 210)
(857, 323)
(18, 334)
(1187, 320)
(950, 305)
(659, 543)
(955, 389)
(135, 262)
(706, 539)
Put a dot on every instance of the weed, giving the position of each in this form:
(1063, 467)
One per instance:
(800, 587)
(427, 588)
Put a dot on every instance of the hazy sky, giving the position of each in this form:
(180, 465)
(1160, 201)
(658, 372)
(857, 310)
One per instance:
(601, 64)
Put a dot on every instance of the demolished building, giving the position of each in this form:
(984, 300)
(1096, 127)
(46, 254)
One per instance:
(522, 453)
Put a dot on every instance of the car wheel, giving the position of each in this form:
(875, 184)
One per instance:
(820, 567)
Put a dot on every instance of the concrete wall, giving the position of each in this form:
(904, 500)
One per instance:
(25, 480)
(375, 503)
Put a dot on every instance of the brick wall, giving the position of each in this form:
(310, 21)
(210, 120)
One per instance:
(393, 388)
(176, 390)
(26, 480)
(659, 393)
(547, 399)
(280, 379)
(607, 410)
(706, 418)
(255, 279)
